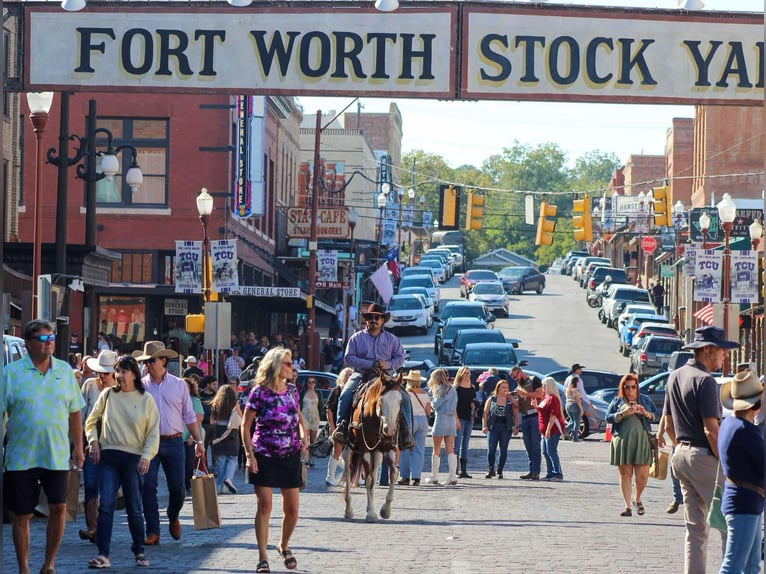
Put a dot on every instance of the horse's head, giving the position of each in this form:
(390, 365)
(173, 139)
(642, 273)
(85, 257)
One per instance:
(390, 404)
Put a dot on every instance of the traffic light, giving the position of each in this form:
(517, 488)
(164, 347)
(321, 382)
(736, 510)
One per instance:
(661, 215)
(475, 211)
(583, 229)
(449, 207)
(545, 226)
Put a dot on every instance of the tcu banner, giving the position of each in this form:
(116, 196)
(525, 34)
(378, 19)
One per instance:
(223, 255)
(188, 267)
(327, 265)
(707, 276)
(744, 277)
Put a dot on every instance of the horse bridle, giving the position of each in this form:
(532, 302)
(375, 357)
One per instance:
(388, 384)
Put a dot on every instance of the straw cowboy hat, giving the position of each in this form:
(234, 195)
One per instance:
(104, 363)
(710, 335)
(742, 392)
(375, 309)
(154, 350)
(413, 375)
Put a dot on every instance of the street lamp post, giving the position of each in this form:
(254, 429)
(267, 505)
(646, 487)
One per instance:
(640, 224)
(382, 200)
(727, 211)
(678, 212)
(39, 106)
(352, 219)
(756, 230)
(704, 223)
(205, 209)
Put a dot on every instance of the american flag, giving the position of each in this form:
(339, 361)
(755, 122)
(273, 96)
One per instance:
(392, 262)
(705, 314)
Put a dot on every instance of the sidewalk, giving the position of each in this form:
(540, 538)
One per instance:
(480, 525)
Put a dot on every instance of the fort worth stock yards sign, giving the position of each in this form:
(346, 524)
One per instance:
(423, 50)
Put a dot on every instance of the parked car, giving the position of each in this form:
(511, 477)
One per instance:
(465, 336)
(14, 349)
(648, 329)
(426, 281)
(473, 276)
(589, 269)
(444, 256)
(600, 273)
(579, 269)
(420, 291)
(617, 298)
(592, 379)
(653, 387)
(654, 350)
(457, 256)
(486, 355)
(520, 279)
(440, 273)
(632, 326)
(569, 260)
(592, 421)
(678, 359)
(409, 312)
(467, 309)
(631, 308)
(493, 295)
(418, 270)
(450, 328)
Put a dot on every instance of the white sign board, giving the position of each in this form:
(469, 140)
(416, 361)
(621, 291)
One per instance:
(281, 292)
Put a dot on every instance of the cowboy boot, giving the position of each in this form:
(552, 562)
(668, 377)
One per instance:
(332, 471)
(463, 469)
(341, 432)
(91, 518)
(452, 462)
(434, 470)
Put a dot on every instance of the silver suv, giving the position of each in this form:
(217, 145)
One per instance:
(617, 297)
(654, 352)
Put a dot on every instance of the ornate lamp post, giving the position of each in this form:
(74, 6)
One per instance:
(353, 217)
(756, 230)
(640, 224)
(727, 211)
(704, 222)
(382, 200)
(205, 208)
(39, 106)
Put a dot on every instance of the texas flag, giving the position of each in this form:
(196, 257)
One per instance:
(392, 262)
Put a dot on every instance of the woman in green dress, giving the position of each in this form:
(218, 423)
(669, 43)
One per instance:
(630, 415)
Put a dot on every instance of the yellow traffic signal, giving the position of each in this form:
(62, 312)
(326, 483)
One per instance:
(583, 229)
(475, 211)
(661, 215)
(449, 207)
(545, 227)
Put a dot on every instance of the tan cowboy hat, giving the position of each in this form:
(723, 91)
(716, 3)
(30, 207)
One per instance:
(742, 392)
(104, 363)
(154, 350)
(413, 375)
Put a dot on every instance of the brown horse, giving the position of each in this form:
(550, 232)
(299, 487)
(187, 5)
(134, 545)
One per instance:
(372, 435)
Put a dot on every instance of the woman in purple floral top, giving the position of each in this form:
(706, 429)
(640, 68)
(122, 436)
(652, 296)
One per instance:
(273, 433)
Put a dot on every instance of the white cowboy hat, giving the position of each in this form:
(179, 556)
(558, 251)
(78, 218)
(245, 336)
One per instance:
(190, 359)
(154, 350)
(104, 363)
(742, 392)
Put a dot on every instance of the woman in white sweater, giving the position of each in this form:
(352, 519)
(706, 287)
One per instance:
(129, 439)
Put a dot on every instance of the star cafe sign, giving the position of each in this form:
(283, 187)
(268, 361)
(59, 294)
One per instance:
(332, 223)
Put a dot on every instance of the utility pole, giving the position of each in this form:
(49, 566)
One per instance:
(313, 241)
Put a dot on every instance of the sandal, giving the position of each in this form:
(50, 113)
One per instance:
(141, 561)
(99, 562)
(639, 507)
(263, 566)
(290, 562)
(626, 512)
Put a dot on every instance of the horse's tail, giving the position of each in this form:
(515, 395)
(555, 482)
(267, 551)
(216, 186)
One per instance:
(354, 468)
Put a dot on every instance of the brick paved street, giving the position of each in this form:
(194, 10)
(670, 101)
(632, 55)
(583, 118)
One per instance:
(478, 526)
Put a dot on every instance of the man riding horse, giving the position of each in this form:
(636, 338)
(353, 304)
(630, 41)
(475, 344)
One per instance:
(370, 350)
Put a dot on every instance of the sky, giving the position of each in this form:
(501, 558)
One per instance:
(470, 132)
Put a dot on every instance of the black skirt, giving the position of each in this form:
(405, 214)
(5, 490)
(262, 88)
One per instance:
(277, 472)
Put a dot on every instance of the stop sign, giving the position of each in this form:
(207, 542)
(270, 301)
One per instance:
(648, 245)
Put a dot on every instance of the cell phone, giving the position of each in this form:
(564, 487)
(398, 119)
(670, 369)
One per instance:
(633, 404)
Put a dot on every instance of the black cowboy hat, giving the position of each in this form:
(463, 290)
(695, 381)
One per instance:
(375, 309)
(710, 335)
(576, 367)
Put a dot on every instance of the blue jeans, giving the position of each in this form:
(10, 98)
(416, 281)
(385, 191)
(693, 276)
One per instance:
(463, 438)
(550, 448)
(677, 494)
(501, 436)
(411, 461)
(225, 467)
(120, 468)
(532, 442)
(573, 426)
(172, 457)
(347, 396)
(91, 474)
(743, 544)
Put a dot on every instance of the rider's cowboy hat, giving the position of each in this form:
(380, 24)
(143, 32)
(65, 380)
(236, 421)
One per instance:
(710, 335)
(413, 375)
(742, 392)
(154, 350)
(375, 309)
(104, 363)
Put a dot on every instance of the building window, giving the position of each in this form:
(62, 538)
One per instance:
(135, 268)
(122, 321)
(150, 138)
(6, 67)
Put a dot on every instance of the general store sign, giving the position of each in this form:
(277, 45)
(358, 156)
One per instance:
(281, 292)
(462, 50)
(331, 223)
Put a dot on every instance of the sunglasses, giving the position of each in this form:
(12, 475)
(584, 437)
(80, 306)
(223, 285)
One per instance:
(45, 338)
(630, 386)
(151, 361)
(374, 317)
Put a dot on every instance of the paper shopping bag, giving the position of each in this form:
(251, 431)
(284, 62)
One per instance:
(205, 503)
(659, 467)
(73, 495)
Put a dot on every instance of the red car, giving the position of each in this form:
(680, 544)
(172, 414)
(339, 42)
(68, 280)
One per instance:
(474, 276)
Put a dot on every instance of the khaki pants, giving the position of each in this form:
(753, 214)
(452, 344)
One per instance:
(696, 469)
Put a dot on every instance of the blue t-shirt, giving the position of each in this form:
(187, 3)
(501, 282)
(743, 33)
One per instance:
(740, 445)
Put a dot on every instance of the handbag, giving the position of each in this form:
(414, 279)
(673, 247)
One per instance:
(431, 417)
(715, 518)
(100, 421)
(659, 467)
(205, 501)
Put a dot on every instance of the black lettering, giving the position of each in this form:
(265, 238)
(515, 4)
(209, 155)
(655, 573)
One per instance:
(86, 46)
(351, 54)
(208, 44)
(735, 64)
(325, 49)
(379, 39)
(759, 64)
(628, 62)
(590, 60)
(166, 52)
(146, 55)
(573, 55)
(528, 44)
(409, 54)
(265, 54)
(702, 63)
(485, 47)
